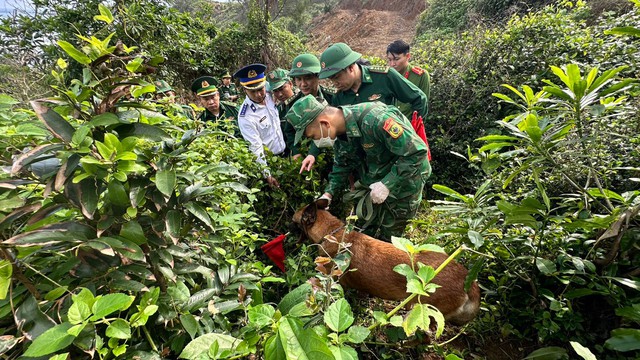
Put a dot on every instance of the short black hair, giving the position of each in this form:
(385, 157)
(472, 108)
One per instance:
(398, 47)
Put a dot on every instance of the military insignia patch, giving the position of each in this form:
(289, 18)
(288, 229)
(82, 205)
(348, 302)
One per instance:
(393, 128)
(253, 107)
(299, 64)
(243, 110)
(374, 97)
(367, 146)
(252, 74)
(204, 84)
(417, 70)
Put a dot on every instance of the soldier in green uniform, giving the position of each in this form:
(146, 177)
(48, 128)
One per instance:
(214, 110)
(377, 142)
(304, 71)
(166, 95)
(228, 89)
(398, 56)
(282, 90)
(356, 84)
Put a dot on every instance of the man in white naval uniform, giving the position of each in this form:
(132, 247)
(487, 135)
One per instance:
(258, 119)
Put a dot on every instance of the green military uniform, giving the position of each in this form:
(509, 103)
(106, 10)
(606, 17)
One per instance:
(325, 96)
(420, 78)
(276, 79)
(162, 88)
(381, 146)
(378, 83)
(226, 91)
(228, 111)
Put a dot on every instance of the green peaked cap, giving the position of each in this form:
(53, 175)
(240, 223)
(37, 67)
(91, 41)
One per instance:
(277, 78)
(204, 86)
(336, 58)
(302, 113)
(305, 64)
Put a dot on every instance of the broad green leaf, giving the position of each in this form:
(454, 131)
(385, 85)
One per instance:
(51, 341)
(584, 352)
(546, 266)
(624, 340)
(452, 193)
(88, 197)
(142, 130)
(166, 181)
(548, 353)
(403, 244)
(135, 64)
(133, 231)
(426, 273)
(343, 352)
(190, 324)
(200, 346)
(199, 212)
(117, 194)
(105, 14)
(6, 270)
(339, 316)
(405, 269)
(633, 284)
(109, 304)
(420, 318)
(79, 311)
(64, 356)
(76, 54)
(358, 334)
(414, 286)
(630, 312)
(119, 329)
(300, 343)
(273, 348)
(624, 30)
(261, 315)
(105, 119)
(294, 297)
(476, 238)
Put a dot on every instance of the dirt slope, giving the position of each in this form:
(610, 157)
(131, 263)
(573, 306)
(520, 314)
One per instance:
(367, 26)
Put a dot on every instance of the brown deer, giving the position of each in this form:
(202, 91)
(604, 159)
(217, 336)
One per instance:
(372, 263)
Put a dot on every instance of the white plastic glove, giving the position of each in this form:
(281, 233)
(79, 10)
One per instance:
(379, 192)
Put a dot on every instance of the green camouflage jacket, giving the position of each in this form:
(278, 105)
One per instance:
(381, 145)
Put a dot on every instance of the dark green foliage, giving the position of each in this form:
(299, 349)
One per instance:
(466, 70)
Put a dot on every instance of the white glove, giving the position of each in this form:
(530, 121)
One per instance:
(379, 192)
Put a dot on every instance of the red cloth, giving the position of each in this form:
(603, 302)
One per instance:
(418, 126)
(275, 251)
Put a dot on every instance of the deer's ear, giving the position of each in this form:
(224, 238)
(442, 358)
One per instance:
(309, 215)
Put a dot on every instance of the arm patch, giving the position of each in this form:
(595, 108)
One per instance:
(392, 128)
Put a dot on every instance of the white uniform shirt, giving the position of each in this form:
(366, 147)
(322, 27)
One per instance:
(260, 126)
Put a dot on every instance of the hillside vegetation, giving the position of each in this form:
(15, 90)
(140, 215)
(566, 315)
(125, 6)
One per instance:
(129, 231)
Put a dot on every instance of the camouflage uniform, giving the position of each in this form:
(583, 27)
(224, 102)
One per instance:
(325, 96)
(381, 146)
(228, 111)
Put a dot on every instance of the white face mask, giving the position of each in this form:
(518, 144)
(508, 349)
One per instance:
(324, 142)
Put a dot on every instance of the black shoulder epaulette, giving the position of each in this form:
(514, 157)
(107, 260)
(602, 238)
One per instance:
(379, 69)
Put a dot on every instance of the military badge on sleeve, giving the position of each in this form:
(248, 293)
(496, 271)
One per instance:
(375, 97)
(393, 128)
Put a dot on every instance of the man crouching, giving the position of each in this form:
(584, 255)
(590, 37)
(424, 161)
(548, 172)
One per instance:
(378, 144)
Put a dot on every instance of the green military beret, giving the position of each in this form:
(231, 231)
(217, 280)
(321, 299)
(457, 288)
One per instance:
(162, 86)
(277, 78)
(336, 58)
(302, 113)
(305, 64)
(204, 86)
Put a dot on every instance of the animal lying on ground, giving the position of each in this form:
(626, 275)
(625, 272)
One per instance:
(372, 263)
